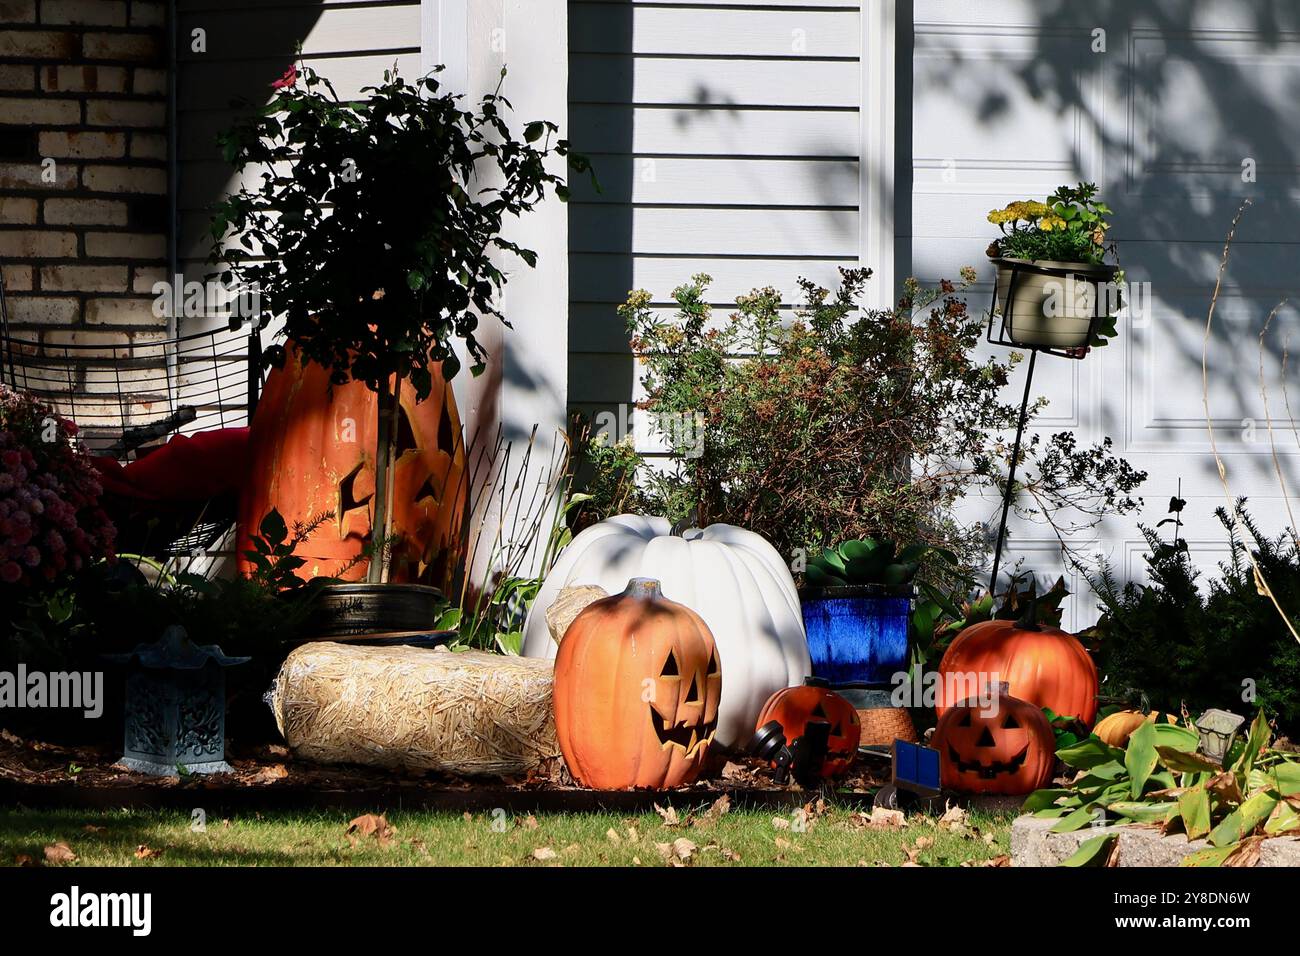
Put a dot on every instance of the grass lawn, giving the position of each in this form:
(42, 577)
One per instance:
(836, 837)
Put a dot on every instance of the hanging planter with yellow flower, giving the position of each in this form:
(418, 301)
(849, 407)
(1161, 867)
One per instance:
(1055, 289)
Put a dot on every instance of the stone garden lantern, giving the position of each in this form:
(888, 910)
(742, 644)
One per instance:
(175, 706)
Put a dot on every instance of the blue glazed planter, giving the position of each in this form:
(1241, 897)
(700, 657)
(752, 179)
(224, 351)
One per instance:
(857, 634)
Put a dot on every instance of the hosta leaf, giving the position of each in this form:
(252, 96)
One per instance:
(1093, 852)
(1077, 820)
(1088, 754)
(1242, 821)
(1140, 758)
(1144, 812)
(1042, 799)
(1194, 808)
(1179, 738)
(1209, 856)
(1256, 740)
(1183, 762)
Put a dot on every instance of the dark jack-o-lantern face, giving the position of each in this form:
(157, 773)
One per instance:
(1007, 747)
(794, 707)
(312, 450)
(637, 684)
(680, 712)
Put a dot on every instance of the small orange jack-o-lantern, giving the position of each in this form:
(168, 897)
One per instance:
(312, 450)
(637, 683)
(1006, 747)
(793, 707)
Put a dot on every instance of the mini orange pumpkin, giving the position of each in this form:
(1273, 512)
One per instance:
(637, 684)
(793, 707)
(1008, 748)
(1115, 729)
(1042, 664)
(312, 449)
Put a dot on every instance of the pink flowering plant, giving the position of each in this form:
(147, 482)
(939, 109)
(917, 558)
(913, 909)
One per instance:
(51, 522)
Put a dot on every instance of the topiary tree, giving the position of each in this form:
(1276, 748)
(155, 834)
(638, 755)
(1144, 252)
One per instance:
(373, 230)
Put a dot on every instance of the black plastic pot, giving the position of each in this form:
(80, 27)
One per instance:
(349, 610)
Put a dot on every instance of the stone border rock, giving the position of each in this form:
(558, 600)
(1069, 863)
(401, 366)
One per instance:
(1032, 844)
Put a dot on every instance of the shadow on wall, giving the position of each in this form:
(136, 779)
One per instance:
(1188, 111)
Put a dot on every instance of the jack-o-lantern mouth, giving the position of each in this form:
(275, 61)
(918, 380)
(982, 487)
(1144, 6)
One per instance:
(987, 771)
(687, 735)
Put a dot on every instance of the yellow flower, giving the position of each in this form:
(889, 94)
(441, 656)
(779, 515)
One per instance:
(1051, 222)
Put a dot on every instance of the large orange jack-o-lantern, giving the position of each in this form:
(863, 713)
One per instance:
(312, 450)
(637, 683)
(793, 707)
(1006, 747)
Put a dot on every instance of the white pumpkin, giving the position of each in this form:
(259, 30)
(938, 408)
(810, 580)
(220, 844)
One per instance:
(732, 578)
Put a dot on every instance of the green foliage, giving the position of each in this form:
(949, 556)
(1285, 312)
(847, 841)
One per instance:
(847, 423)
(1175, 644)
(1069, 227)
(1161, 779)
(868, 561)
(376, 245)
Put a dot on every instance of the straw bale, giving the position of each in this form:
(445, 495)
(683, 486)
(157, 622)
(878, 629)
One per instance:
(467, 713)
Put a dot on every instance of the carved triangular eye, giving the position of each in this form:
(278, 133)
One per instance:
(693, 695)
(670, 667)
(837, 731)
(819, 711)
(713, 664)
(964, 719)
(1010, 723)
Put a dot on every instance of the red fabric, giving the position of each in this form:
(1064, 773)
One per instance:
(187, 468)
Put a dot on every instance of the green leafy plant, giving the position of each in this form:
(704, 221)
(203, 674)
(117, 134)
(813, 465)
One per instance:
(1069, 227)
(1180, 640)
(861, 561)
(374, 228)
(1159, 778)
(849, 422)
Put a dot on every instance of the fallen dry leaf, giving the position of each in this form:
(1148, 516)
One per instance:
(720, 807)
(669, 815)
(633, 834)
(91, 828)
(677, 853)
(781, 823)
(1247, 854)
(269, 774)
(530, 822)
(613, 836)
(59, 853)
(882, 818)
(783, 843)
(954, 818)
(22, 859)
(544, 853)
(370, 824)
(1002, 860)
(143, 852)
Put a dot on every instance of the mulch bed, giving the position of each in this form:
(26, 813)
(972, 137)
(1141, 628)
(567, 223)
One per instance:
(37, 774)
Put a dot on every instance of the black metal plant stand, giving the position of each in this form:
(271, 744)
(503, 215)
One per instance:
(1002, 336)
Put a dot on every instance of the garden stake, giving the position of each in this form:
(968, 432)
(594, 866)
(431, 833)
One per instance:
(1011, 472)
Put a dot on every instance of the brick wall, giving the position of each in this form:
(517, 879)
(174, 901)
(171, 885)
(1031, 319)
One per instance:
(84, 213)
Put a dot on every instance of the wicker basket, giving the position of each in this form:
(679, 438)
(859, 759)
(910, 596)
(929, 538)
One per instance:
(881, 726)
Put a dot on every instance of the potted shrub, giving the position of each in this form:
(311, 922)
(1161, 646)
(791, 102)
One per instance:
(376, 246)
(1053, 280)
(857, 604)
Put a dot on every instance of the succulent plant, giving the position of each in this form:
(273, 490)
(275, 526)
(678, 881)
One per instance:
(868, 561)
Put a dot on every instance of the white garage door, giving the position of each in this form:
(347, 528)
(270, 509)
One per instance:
(1164, 103)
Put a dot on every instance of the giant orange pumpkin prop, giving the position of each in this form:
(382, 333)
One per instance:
(637, 683)
(793, 707)
(1043, 665)
(312, 450)
(1008, 748)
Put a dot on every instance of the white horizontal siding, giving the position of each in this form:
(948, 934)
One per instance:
(726, 139)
